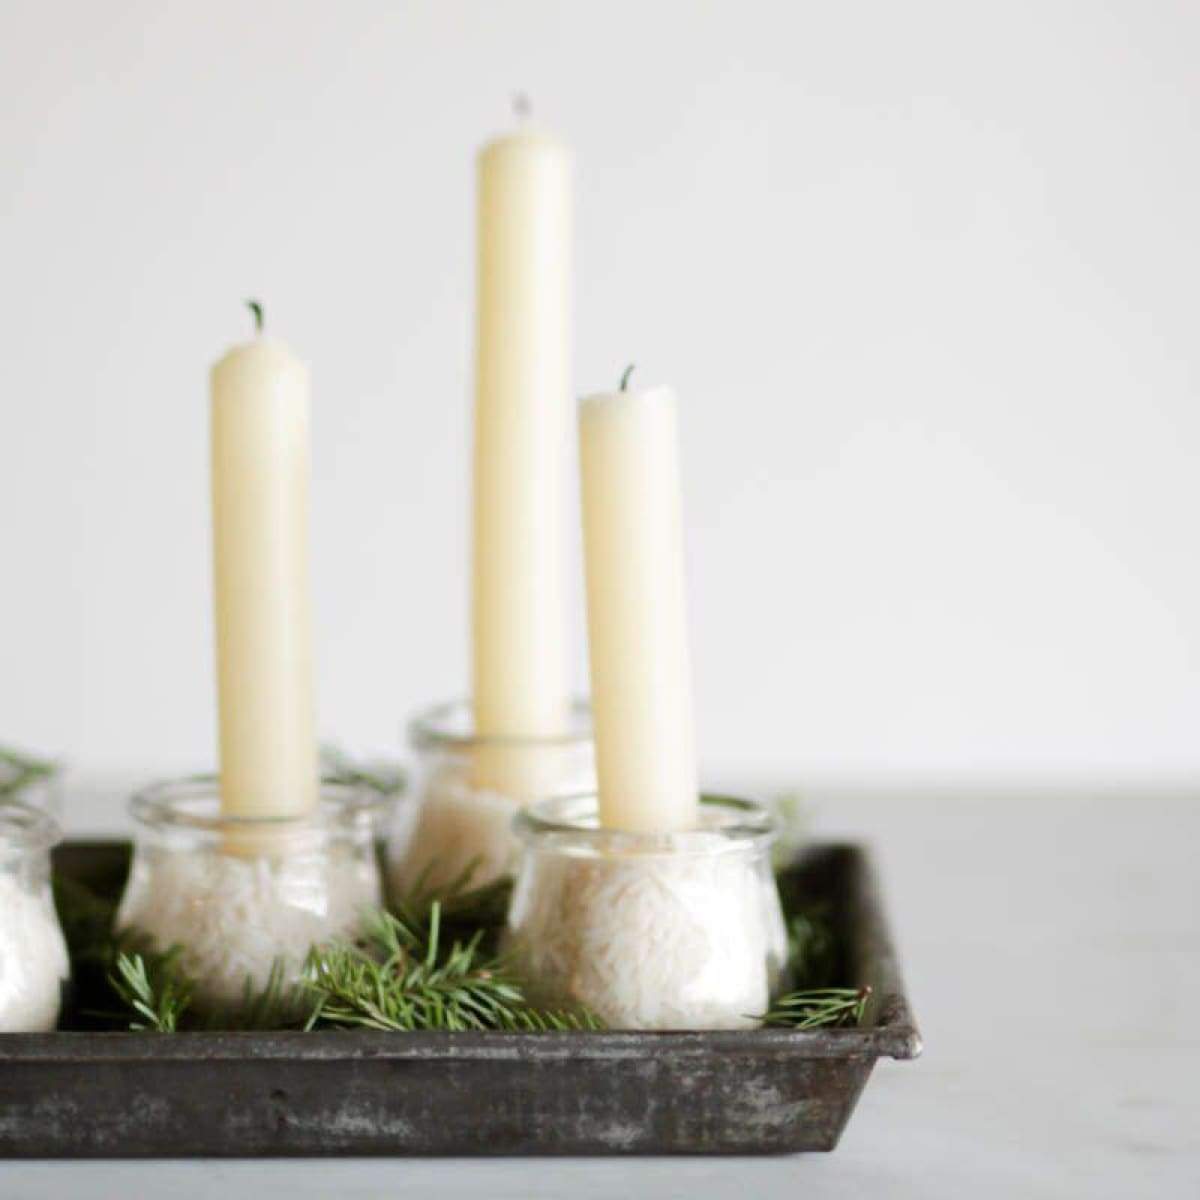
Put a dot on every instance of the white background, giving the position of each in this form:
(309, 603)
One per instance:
(925, 276)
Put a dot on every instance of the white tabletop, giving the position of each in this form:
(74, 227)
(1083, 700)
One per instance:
(1052, 946)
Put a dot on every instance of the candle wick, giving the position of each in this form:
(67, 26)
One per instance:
(521, 106)
(257, 310)
(625, 377)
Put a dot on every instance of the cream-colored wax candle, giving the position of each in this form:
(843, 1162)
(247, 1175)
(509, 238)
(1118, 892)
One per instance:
(637, 621)
(260, 468)
(522, 406)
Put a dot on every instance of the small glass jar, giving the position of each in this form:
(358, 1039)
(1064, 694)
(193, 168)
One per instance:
(454, 832)
(34, 968)
(240, 894)
(649, 930)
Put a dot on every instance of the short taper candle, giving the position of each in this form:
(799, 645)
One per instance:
(637, 620)
(260, 469)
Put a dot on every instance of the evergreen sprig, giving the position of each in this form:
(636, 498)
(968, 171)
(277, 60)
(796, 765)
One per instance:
(818, 1008)
(19, 771)
(154, 988)
(337, 766)
(406, 978)
(813, 970)
(463, 907)
(403, 976)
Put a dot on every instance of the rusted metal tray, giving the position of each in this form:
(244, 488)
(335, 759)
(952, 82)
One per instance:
(351, 1093)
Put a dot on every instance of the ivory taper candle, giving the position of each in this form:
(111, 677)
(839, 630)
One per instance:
(637, 620)
(522, 407)
(260, 469)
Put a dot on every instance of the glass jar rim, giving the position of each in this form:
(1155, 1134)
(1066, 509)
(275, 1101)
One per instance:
(26, 829)
(741, 824)
(193, 802)
(434, 729)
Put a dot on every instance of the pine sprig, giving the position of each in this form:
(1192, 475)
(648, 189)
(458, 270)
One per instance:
(813, 970)
(275, 1005)
(818, 1008)
(463, 908)
(405, 978)
(19, 771)
(154, 988)
(386, 778)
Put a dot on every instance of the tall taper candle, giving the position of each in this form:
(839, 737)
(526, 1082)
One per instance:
(260, 469)
(522, 410)
(637, 620)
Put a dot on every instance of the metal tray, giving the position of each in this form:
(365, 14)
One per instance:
(760, 1092)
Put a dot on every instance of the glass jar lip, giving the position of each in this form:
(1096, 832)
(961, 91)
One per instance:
(741, 824)
(451, 726)
(26, 829)
(194, 801)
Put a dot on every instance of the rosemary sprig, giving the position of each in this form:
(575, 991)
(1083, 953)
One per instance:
(818, 1008)
(19, 771)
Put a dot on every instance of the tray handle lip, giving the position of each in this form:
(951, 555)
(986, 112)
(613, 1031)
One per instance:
(897, 1035)
(894, 1030)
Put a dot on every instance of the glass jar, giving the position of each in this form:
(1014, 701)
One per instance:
(34, 968)
(649, 930)
(240, 894)
(454, 832)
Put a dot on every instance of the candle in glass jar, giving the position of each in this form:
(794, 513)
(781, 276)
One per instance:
(637, 620)
(519, 660)
(260, 469)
